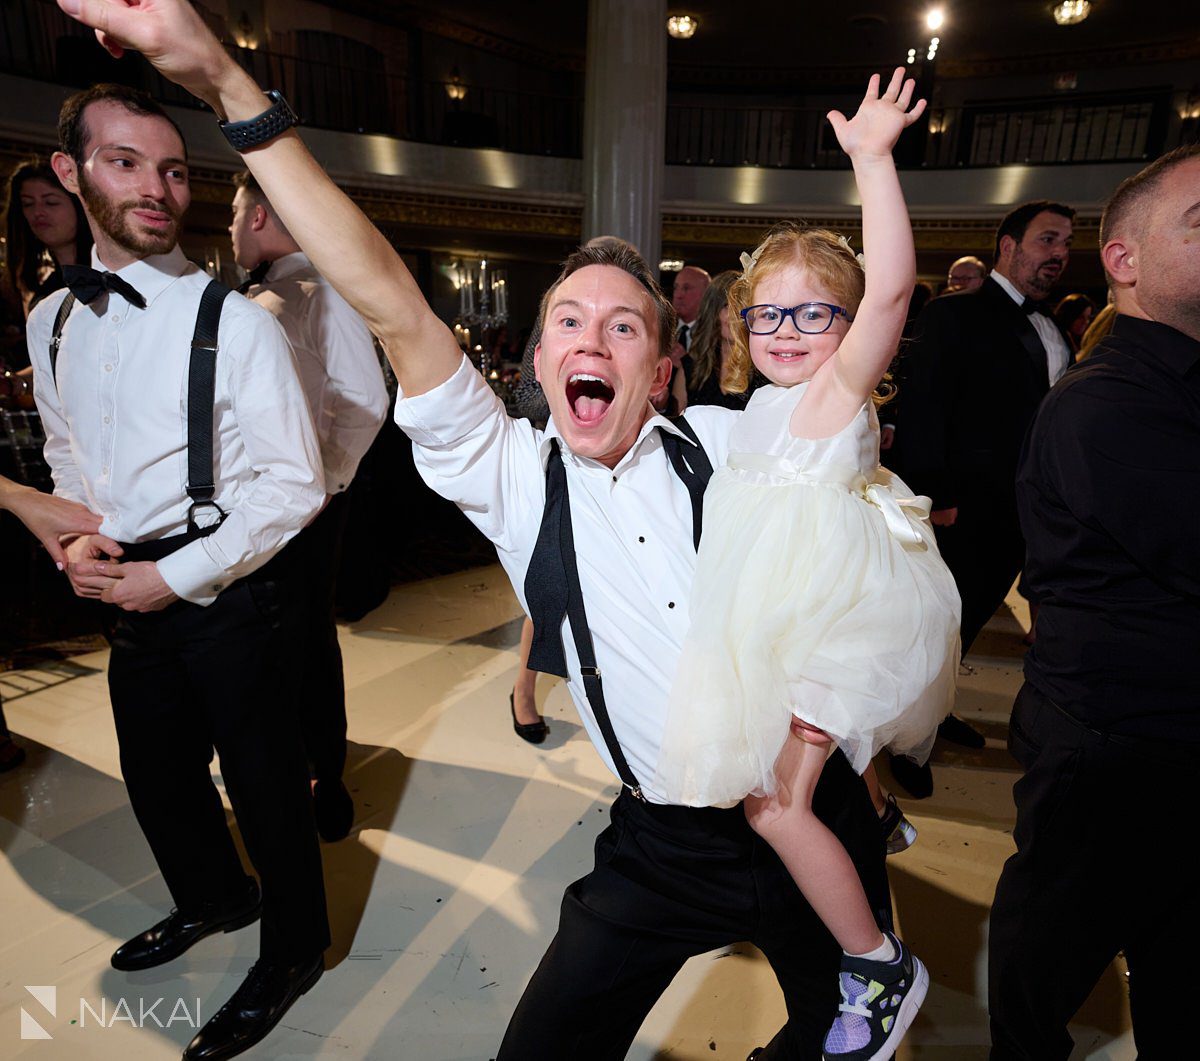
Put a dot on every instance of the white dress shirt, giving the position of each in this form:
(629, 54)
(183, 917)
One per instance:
(633, 537)
(335, 354)
(1058, 354)
(116, 422)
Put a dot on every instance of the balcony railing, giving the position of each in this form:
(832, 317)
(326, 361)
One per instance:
(38, 41)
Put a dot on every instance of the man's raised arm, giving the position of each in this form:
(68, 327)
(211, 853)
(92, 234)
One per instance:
(339, 239)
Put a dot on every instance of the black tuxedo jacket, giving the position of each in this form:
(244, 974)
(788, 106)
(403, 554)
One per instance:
(971, 380)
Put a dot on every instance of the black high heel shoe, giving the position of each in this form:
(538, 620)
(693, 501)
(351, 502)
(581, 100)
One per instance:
(534, 732)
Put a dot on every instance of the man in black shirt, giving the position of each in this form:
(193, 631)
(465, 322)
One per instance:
(1107, 725)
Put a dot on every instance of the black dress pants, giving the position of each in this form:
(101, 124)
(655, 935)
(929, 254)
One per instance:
(985, 552)
(318, 657)
(185, 681)
(1101, 866)
(670, 882)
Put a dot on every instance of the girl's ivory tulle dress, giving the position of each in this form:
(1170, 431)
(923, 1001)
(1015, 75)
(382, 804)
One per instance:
(819, 592)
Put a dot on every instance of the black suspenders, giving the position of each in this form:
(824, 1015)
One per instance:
(202, 379)
(695, 469)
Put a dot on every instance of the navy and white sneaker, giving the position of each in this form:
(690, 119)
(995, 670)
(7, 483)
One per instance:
(879, 1002)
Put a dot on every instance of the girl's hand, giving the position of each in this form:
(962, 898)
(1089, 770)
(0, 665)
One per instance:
(874, 130)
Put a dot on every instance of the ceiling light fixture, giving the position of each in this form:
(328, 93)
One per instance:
(456, 88)
(912, 56)
(682, 27)
(1072, 12)
(935, 18)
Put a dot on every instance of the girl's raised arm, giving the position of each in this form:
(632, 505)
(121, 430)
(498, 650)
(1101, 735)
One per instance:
(891, 268)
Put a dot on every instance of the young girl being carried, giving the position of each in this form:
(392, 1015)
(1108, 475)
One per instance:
(822, 614)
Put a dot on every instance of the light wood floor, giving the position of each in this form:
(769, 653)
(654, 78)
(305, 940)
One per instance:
(447, 892)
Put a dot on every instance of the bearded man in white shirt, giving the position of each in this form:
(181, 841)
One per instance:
(340, 372)
(201, 485)
(669, 881)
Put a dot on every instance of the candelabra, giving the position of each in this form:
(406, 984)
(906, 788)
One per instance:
(482, 303)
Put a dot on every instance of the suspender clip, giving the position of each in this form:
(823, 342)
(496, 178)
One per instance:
(210, 522)
(590, 672)
(203, 347)
(636, 792)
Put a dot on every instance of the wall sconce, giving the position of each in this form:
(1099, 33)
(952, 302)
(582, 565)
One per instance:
(1072, 12)
(683, 27)
(244, 33)
(456, 88)
(938, 123)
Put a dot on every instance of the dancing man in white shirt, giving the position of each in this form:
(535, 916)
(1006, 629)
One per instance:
(202, 466)
(346, 392)
(669, 881)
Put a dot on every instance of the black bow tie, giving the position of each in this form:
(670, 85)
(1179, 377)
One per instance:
(1031, 306)
(257, 275)
(88, 284)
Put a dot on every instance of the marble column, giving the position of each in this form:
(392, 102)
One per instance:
(625, 118)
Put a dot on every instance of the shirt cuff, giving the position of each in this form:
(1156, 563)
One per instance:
(192, 575)
(449, 412)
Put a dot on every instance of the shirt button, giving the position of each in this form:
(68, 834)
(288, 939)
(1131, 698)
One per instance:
(640, 538)
(108, 368)
(216, 587)
(103, 471)
(614, 478)
(670, 604)
(115, 318)
(108, 419)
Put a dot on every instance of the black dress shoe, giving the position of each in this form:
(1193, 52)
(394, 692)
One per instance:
(254, 1009)
(179, 930)
(534, 732)
(334, 810)
(916, 780)
(955, 730)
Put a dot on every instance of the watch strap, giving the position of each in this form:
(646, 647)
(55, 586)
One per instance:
(263, 127)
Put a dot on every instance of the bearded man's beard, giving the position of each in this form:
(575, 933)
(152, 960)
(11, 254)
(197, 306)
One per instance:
(113, 220)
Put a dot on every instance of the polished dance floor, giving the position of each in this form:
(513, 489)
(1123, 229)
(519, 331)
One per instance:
(447, 891)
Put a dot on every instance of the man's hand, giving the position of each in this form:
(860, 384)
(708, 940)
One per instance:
(50, 518)
(88, 568)
(137, 587)
(943, 517)
(169, 33)
(887, 437)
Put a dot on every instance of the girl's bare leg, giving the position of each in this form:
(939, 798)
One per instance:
(812, 854)
(875, 789)
(524, 705)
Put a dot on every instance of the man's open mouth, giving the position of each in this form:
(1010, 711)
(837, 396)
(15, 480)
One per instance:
(589, 396)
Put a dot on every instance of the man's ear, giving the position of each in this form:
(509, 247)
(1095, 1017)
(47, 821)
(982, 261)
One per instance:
(537, 362)
(662, 373)
(1006, 247)
(1119, 257)
(259, 221)
(64, 168)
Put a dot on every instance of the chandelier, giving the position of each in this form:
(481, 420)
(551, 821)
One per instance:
(1071, 12)
(682, 27)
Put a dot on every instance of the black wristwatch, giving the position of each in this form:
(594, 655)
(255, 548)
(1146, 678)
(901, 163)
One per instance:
(258, 130)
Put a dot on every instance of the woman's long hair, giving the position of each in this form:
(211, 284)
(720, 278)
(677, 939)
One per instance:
(705, 347)
(26, 254)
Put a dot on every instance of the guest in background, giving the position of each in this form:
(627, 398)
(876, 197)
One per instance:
(966, 274)
(45, 228)
(1101, 325)
(686, 293)
(342, 381)
(712, 343)
(1073, 315)
(994, 344)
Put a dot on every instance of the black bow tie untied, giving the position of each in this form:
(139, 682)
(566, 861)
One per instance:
(257, 275)
(88, 284)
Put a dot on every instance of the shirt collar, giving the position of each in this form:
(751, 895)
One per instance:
(656, 421)
(287, 265)
(1007, 287)
(150, 276)
(1179, 352)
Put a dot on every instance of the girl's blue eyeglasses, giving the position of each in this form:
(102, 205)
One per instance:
(811, 318)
